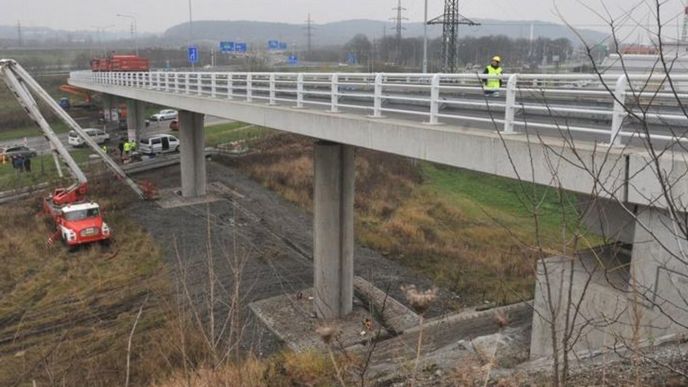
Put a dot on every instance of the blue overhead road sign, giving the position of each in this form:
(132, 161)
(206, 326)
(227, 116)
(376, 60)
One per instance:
(227, 46)
(293, 59)
(352, 58)
(273, 44)
(241, 47)
(193, 55)
(282, 45)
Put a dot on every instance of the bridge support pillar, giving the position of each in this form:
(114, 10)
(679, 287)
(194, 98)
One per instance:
(108, 101)
(333, 229)
(192, 133)
(136, 119)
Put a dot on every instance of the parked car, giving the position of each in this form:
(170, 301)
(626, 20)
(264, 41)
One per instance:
(98, 135)
(164, 115)
(161, 143)
(174, 125)
(7, 152)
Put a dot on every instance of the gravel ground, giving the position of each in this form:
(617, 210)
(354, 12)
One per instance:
(274, 240)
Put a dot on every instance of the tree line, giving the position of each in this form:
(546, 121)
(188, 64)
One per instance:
(472, 51)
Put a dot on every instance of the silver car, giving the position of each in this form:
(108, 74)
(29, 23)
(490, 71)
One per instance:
(161, 143)
(97, 135)
(167, 114)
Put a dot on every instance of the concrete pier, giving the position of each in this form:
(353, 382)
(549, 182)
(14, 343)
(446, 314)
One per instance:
(334, 229)
(136, 119)
(192, 148)
(108, 101)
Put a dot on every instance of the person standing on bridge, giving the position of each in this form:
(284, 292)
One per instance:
(493, 82)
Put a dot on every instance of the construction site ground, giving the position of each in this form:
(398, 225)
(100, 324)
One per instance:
(270, 240)
(273, 239)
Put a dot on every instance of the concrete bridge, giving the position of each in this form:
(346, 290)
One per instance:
(615, 138)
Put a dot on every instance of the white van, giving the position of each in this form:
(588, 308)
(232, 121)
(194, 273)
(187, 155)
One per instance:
(161, 143)
(99, 136)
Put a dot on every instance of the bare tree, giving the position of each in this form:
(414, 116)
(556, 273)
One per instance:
(623, 289)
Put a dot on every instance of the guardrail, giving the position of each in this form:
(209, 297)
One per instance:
(438, 97)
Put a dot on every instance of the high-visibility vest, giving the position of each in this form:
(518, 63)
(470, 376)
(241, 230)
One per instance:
(127, 146)
(494, 78)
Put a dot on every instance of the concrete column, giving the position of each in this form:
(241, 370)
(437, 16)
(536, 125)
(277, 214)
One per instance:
(333, 229)
(115, 106)
(107, 107)
(136, 119)
(192, 147)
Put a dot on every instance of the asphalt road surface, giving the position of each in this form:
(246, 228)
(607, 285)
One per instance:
(40, 145)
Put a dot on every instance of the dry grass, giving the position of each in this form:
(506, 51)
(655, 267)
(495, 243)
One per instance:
(283, 370)
(65, 317)
(482, 250)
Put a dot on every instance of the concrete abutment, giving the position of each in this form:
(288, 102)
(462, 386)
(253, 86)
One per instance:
(612, 298)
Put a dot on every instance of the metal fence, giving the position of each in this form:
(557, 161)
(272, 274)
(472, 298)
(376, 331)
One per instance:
(617, 105)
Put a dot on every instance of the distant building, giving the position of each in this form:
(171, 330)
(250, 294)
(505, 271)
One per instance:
(638, 49)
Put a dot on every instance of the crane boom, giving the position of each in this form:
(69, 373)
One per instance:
(22, 84)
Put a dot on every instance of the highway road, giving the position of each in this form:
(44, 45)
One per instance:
(40, 145)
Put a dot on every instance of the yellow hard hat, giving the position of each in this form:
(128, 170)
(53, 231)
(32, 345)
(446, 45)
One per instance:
(496, 59)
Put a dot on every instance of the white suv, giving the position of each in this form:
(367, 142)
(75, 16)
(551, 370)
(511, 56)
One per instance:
(163, 115)
(161, 143)
(99, 136)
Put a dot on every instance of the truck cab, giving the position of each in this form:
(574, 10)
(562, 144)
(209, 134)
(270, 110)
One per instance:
(82, 223)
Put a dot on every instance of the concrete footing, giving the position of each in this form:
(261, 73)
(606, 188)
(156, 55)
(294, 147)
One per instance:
(292, 318)
(136, 119)
(192, 150)
(334, 229)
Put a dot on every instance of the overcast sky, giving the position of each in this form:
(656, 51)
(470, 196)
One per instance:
(158, 15)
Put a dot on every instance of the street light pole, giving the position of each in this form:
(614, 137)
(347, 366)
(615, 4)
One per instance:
(193, 65)
(134, 31)
(425, 39)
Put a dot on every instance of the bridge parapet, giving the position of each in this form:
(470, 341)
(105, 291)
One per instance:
(605, 107)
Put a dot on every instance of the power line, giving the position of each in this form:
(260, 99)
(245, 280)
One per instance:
(309, 32)
(450, 20)
(20, 38)
(398, 20)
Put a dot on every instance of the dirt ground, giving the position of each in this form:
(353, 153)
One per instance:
(273, 236)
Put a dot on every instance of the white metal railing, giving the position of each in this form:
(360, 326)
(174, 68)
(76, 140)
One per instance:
(543, 101)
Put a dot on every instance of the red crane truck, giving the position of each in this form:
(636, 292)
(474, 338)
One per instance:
(77, 220)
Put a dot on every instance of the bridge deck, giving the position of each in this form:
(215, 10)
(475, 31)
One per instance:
(484, 137)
